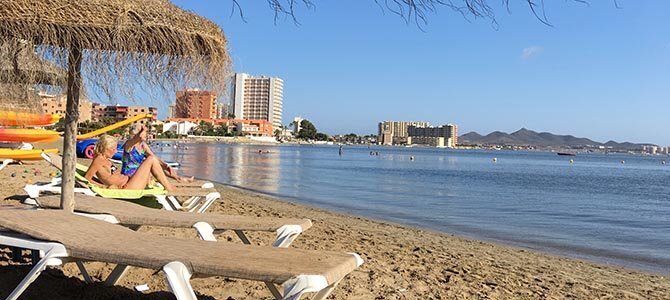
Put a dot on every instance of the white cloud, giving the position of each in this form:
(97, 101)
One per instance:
(530, 52)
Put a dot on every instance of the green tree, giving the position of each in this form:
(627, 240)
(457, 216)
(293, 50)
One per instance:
(322, 137)
(307, 130)
(59, 126)
(204, 128)
(221, 130)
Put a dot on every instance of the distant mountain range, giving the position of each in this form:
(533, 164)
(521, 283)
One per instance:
(527, 137)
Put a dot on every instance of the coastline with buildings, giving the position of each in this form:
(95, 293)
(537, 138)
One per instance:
(417, 133)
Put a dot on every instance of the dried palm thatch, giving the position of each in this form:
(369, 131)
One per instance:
(23, 74)
(117, 45)
(19, 64)
(125, 44)
(19, 97)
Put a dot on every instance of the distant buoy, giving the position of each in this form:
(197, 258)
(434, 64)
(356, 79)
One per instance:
(411, 158)
(572, 161)
(495, 159)
(663, 162)
(623, 161)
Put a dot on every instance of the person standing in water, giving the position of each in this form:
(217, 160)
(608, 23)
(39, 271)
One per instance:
(340, 150)
(136, 150)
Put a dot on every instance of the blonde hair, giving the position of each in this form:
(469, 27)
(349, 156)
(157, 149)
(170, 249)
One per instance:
(104, 143)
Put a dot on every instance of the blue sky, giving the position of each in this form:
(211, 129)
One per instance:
(599, 72)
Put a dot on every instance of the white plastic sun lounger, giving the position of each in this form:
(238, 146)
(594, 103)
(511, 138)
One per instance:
(206, 224)
(6, 162)
(62, 237)
(198, 199)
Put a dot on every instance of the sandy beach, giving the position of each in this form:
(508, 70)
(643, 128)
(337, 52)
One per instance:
(400, 262)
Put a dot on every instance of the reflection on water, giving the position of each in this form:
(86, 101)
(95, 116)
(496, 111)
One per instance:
(595, 208)
(239, 166)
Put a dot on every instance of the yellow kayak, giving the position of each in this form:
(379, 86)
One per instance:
(28, 135)
(24, 154)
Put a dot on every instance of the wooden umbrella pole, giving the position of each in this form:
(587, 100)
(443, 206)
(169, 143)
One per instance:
(71, 119)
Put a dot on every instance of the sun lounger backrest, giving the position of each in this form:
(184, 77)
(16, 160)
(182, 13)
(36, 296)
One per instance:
(89, 239)
(132, 214)
(57, 162)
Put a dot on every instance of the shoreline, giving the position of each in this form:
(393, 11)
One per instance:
(238, 141)
(562, 252)
(402, 262)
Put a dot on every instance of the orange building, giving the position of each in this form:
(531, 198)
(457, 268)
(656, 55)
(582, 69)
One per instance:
(194, 103)
(245, 127)
(55, 104)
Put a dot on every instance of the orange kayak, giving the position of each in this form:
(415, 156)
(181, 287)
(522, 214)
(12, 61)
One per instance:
(24, 154)
(28, 135)
(12, 118)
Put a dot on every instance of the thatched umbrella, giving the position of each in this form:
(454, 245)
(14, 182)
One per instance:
(117, 44)
(19, 64)
(21, 70)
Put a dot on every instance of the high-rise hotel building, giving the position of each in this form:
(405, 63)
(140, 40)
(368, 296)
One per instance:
(258, 98)
(395, 132)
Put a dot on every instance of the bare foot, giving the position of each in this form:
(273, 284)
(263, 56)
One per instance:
(171, 189)
(185, 179)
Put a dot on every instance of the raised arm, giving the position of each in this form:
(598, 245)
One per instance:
(132, 142)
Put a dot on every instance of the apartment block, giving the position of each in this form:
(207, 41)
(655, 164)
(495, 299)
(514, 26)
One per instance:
(258, 98)
(194, 103)
(395, 132)
(55, 104)
(432, 135)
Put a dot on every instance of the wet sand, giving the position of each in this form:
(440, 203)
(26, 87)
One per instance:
(401, 262)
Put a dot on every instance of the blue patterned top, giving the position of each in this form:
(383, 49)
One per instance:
(131, 160)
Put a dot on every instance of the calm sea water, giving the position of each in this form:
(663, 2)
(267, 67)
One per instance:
(595, 208)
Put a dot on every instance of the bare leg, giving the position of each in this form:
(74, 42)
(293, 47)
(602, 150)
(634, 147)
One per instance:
(149, 167)
(172, 173)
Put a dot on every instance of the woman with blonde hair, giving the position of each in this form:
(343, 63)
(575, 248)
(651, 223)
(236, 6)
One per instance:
(136, 150)
(101, 168)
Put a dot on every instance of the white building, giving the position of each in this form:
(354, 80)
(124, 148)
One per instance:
(258, 98)
(296, 124)
(179, 128)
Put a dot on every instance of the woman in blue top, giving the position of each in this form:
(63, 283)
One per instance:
(136, 150)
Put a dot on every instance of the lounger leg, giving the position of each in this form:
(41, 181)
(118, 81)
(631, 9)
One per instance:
(209, 200)
(286, 235)
(82, 270)
(178, 276)
(51, 257)
(296, 287)
(273, 289)
(321, 295)
(191, 203)
(164, 201)
(242, 236)
(5, 163)
(34, 190)
(205, 231)
(118, 272)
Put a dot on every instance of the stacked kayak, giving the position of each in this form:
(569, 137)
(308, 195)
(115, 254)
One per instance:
(17, 154)
(26, 135)
(12, 118)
